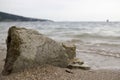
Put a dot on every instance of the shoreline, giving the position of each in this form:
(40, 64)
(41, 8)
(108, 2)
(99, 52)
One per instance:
(98, 62)
(48, 72)
(94, 60)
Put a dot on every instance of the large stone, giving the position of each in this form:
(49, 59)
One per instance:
(27, 48)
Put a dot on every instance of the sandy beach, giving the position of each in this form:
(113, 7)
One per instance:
(59, 40)
(100, 53)
(55, 73)
(48, 72)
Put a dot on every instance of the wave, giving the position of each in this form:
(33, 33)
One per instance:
(100, 52)
(108, 44)
(92, 35)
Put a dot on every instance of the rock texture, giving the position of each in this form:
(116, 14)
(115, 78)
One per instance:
(27, 48)
(77, 63)
(70, 49)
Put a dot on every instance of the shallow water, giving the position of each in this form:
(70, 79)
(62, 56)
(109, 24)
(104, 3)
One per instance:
(97, 40)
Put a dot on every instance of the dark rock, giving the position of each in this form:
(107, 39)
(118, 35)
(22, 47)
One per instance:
(69, 71)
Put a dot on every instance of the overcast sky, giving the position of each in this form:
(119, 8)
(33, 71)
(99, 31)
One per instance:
(64, 10)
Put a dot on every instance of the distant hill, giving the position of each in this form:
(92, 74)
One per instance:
(11, 17)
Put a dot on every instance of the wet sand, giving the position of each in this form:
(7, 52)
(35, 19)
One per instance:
(48, 72)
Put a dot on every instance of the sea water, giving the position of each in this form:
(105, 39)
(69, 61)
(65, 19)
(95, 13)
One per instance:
(97, 43)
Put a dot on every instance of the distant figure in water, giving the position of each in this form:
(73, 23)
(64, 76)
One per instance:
(107, 20)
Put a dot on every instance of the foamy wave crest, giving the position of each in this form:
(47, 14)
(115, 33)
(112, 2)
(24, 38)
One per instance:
(104, 31)
(96, 35)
